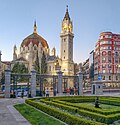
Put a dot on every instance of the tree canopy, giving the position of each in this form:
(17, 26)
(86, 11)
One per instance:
(37, 64)
(43, 64)
(19, 68)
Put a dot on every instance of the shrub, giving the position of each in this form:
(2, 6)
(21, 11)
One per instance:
(63, 116)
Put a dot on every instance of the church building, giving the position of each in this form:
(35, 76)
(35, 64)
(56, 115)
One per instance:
(35, 45)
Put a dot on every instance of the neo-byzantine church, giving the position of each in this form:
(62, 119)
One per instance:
(35, 43)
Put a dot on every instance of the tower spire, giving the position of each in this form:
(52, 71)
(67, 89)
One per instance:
(35, 27)
(66, 8)
(67, 17)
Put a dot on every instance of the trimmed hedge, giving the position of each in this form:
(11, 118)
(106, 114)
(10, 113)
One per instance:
(105, 116)
(78, 100)
(65, 107)
(94, 116)
(115, 102)
(63, 116)
(96, 110)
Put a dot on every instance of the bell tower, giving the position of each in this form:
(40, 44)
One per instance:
(66, 53)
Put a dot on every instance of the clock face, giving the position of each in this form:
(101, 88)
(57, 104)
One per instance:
(70, 27)
(64, 26)
(67, 27)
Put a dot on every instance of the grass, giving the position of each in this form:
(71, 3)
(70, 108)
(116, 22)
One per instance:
(35, 117)
(103, 106)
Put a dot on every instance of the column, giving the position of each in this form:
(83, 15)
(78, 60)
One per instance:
(80, 85)
(60, 83)
(54, 84)
(41, 86)
(7, 83)
(97, 88)
(33, 82)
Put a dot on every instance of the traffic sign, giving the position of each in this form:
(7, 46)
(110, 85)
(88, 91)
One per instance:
(99, 77)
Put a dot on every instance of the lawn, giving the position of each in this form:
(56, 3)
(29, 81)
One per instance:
(73, 111)
(102, 106)
(35, 117)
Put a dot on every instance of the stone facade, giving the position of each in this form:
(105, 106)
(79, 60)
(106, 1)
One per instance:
(107, 59)
(67, 36)
(29, 48)
(34, 44)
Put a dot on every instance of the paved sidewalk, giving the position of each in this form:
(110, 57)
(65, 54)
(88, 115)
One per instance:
(9, 115)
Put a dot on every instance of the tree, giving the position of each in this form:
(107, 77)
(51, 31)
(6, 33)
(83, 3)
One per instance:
(3, 78)
(43, 64)
(37, 64)
(20, 69)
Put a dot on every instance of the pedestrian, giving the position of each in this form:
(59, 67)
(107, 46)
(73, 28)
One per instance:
(68, 91)
(54, 92)
(74, 91)
(47, 92)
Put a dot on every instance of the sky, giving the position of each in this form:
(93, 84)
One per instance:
(90, 18)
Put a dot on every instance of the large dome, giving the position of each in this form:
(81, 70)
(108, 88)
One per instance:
(34, 39)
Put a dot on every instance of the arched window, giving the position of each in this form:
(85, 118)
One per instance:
(103, 59)
(116, 77)
(103, 53)
(109, 77)
(49, 68)
(109, 66)
(109, 59)
(103, 66)
(109, 53)
(104, 71)
(103, 77)
(116, 53)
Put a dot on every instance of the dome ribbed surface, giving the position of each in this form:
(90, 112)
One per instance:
(34, 39)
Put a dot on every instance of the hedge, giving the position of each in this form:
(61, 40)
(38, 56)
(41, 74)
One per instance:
(96, 110)
(103, 116)
(94, 116)
(63, 116)
(110, 102)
